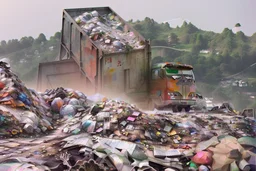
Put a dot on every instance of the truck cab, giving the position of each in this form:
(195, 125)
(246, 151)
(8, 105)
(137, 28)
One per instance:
(172, 85)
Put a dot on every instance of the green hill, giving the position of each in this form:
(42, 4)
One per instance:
(226, 53)
(213, 55)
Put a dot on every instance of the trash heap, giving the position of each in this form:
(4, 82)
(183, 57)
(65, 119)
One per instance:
(225, 153)
(21, 109)
(121, 137)
(26, 112)
(123, 121)
(114, 135)
(108, 31)
(64, 102)
(85, 152)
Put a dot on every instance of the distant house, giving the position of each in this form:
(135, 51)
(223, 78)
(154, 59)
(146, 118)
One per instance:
(205, 51)
(240, 83)
(51, 48)
(235, 83)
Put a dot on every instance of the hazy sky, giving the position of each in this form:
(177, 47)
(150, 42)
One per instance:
(30, 17)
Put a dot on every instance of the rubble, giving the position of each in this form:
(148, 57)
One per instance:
(24, 111)
(80, 132)
(108, 31)
(21, 108)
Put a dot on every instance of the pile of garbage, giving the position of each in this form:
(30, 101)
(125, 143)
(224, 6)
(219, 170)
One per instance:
(121, 137)
(123, 121)
(85, 152)
(21, 109)
(226, 153)
(108, 31)
(218, 153)
(114, 135)
(26, 112)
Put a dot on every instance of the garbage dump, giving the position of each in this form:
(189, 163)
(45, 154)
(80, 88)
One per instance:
(61, 129)
(22, 109)
(108, 31)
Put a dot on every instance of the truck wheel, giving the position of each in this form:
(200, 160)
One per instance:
(187, 108)
(179, 108)
(174, 109)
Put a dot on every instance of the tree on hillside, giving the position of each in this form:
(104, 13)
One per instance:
(228, 40)
(213, 75)
(253, 38)
(26, 42)
(149, 28)
(184, 39)
(184, 25)
(41, 38)
(57, 35)
(241, 37)
(3, 43)
(166, 26)
(192, 28)
(1, 50)
(199, 41)
(138, 27)
(13, 45)
(192, 38)
(188, 28)
(224, 68)
(173, 39)
(238, 25)
(243, 49)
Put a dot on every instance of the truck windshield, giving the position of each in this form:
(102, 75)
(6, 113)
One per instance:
(176, 73)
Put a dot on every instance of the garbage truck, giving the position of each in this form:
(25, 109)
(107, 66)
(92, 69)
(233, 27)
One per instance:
(101, 53)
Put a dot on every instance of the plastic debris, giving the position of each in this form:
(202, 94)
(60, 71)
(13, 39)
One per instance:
(202, 157)
(69, 131)
(56, 104)
(29, 128)
(108, 31)
(250, 141)
(203, 168)
(205, 144)
(67, 110)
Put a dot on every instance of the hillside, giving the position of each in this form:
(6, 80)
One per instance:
(213, 55)
(222, 54)
(25, 54)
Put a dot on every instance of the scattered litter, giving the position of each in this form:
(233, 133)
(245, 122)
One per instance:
(105, 134)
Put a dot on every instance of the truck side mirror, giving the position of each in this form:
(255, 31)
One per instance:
(161, 73)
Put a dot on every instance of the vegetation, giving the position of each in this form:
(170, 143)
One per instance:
(224, 54)
(213, 55)
(227, 53)
(25, 54)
